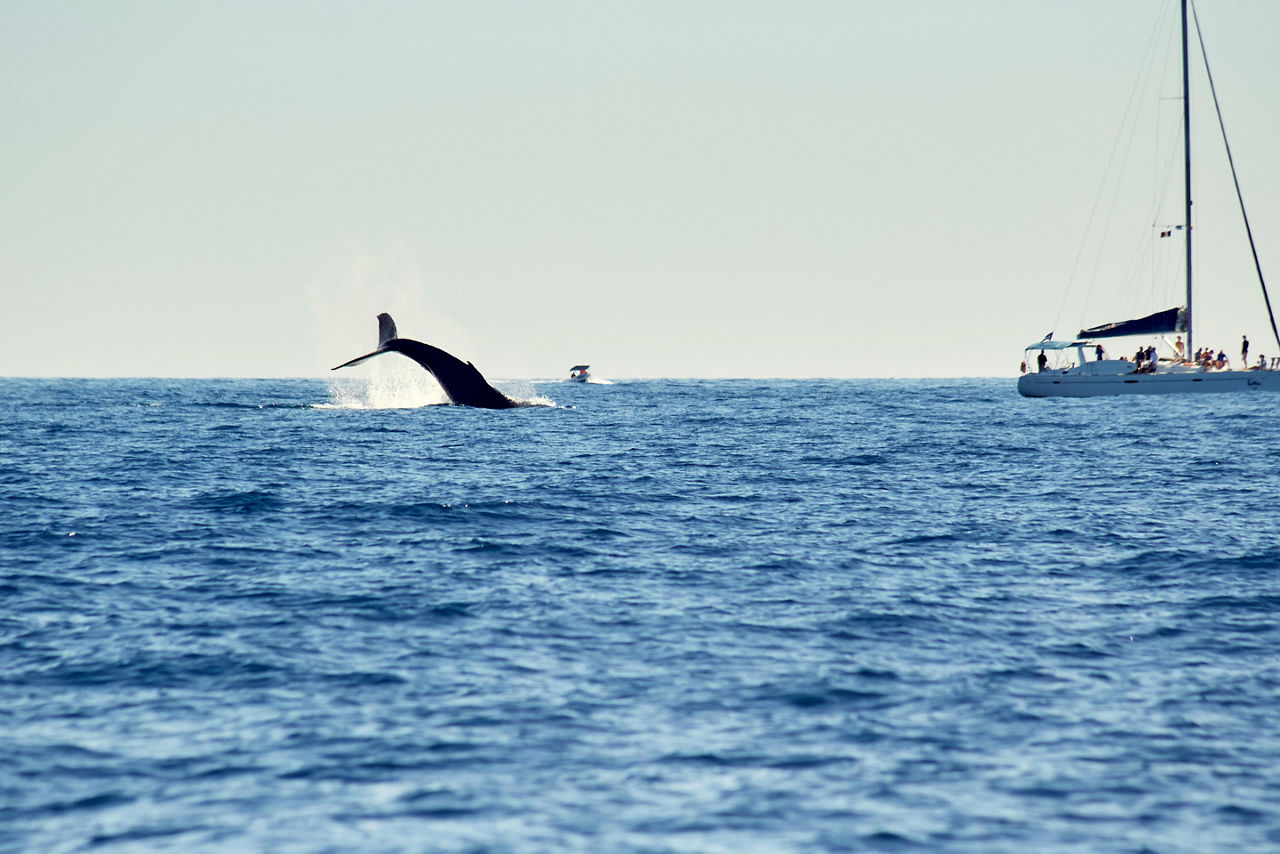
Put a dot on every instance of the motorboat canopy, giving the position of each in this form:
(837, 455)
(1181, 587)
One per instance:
(1056, 345)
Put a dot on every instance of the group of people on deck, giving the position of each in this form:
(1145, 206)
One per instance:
(1262, 365)
(1147, 360)
(1206, 359)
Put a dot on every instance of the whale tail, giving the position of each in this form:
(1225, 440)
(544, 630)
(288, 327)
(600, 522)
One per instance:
(386, 332)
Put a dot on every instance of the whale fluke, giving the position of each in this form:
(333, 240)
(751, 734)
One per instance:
(462, 383)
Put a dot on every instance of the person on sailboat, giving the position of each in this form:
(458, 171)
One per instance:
(1099, 352)
(1244, 350)
(1042, 361)
(1179, 346)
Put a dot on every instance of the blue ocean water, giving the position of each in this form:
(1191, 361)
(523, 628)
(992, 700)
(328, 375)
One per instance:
(652, 616)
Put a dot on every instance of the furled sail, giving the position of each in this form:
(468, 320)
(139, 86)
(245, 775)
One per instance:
(1169, 320)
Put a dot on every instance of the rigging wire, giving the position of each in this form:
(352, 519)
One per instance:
(1257, 265)
(1164, 164)
(1140, 82)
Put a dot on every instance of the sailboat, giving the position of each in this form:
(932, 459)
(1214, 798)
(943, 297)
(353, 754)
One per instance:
(1148, 373)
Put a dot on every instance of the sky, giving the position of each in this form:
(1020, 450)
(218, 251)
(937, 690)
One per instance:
(700, 188)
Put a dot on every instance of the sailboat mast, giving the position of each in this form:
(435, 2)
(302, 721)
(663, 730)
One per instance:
(1186, 153)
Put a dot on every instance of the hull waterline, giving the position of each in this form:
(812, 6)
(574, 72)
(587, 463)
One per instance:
(1058, 384)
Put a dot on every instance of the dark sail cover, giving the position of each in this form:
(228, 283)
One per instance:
(1170, 320)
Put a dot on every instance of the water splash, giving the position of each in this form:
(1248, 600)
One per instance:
(523, 391)
(387, 385)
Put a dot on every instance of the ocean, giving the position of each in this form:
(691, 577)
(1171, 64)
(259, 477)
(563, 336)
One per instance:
(647, 616)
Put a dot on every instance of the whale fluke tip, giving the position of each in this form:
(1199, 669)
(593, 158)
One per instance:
(386, 329)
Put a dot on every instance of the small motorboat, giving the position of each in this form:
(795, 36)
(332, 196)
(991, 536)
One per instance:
(578, 374)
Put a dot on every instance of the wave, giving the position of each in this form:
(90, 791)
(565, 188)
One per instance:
(232, 405)
(249, 501)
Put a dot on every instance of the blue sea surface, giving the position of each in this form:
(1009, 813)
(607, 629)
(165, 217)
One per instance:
(650, 616)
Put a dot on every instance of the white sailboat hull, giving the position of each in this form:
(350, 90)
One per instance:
(1060, 384)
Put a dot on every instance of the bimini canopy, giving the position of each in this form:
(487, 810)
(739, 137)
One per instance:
(1169, 320)
(1055, 345)
(579, 368)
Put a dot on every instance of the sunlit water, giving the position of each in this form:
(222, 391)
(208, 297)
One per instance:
(647, 616)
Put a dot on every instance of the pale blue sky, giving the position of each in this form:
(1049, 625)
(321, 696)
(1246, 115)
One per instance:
(659, 189)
